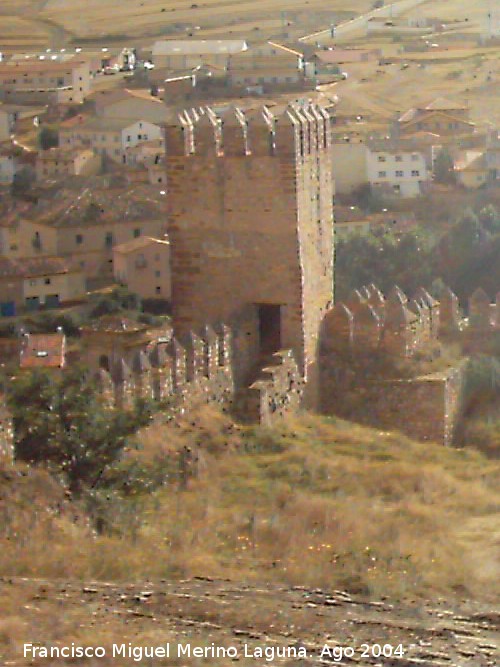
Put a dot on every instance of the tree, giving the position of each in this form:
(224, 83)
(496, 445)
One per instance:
(489, 217)
(48, 138)
(443, 167)
(62, 421)
(385, 260)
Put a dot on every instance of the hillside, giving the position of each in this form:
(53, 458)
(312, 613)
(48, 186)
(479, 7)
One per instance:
(316, 502)
(64, 21)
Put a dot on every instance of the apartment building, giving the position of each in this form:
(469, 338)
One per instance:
(28, 284)
(130, 104)
(82, 225)
(109, 137)
(45, 82)
(143, 265)
(269, 63)
(440, 117)
(396, 172)
(61, 162)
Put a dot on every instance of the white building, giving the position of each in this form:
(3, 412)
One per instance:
(109, 137)
(7, 169)
(401, 173)
(188, 53)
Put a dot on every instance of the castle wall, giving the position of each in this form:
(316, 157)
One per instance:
(201, 372)
(277, 393)
(426, 409)
(6, 434)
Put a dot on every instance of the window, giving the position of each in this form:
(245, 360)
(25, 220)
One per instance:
(78, 239)
(415, 172)
(382, 174)
(108, 240)
(129, 138)
(47, 281)
(399, 174)
(32, 283)
(381, 158)
(414, 157)
(158, 289)
(399, 158)
(137, 233)
(157, 274)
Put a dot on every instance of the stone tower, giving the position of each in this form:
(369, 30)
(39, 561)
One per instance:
(251, 226)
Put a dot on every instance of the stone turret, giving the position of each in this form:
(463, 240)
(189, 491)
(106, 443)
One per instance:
(449, 313)
(249, 247)
(480, 310)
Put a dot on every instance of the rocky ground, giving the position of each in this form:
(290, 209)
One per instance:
(204, 611)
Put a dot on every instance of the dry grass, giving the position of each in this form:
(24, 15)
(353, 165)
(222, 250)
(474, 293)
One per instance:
(139, 19)
(315, 502)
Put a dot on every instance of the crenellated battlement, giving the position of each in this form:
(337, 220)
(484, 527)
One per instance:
(395, 324)
(197, 370)
(301, 130)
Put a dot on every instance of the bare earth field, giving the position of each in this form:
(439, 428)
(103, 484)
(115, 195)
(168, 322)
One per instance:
(136, 19)
(228, 614)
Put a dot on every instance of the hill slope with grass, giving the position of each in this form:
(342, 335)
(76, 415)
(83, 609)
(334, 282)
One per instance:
(314, 502)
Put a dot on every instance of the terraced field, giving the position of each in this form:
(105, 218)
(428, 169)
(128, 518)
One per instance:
(136, 19)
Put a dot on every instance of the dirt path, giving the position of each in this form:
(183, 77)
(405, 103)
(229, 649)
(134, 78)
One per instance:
(202, 612)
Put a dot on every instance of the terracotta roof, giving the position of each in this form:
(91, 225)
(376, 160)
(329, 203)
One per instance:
(409, 115)
(19, 108)
(138, 243)
(32, 267)
(415, 114)
(95, 205)
(73, 121)
(41, 66)
(58, 153)
(43, 351)
(108, 124)
(442, 104)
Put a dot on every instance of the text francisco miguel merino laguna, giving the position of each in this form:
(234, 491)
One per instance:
(138, 653)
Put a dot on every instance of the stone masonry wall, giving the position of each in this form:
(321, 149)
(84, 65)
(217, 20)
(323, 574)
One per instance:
(6, 434)
(251, 222)
(426, 408)
(276, 393)
(200, 370)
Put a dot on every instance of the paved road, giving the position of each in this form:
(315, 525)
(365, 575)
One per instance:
(343, 29)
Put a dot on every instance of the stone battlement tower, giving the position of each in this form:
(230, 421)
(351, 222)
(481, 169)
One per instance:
(250, 200)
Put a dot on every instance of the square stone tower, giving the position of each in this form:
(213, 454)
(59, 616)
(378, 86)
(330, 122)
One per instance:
(250, 200)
